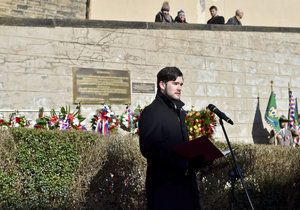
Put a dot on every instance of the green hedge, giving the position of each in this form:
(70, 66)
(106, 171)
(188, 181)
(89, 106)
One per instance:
(79, 170)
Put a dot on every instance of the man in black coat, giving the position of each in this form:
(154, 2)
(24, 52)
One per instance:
(236, 20)
(171, 181)
(215, 18)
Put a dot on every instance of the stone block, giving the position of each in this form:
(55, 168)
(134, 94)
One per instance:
(224, 104)
(282, 81)
(215, 63)
(267, 68)
(257, 80)
(200, 102)
(244, 91)
(142, 73)
(244, 66)
(231, 78)
(38, 83)
(164, 59)
(244, 117)
(288, 70)
(204, 76)
(219, 90)
(239, 131)
(197, 89)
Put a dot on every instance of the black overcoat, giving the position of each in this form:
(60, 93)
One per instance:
(170, 182)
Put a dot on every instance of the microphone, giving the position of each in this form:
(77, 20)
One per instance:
(220, 114)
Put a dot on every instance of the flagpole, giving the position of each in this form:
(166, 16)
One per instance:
(272, 82)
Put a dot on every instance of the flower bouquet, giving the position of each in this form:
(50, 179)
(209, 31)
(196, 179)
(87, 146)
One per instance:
(200, 123)
(67, 120)
(53, 122)
(17, 120)
(129, 120)
(104, 121)
(3, 122)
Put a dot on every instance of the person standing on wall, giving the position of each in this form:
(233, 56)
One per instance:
(236, 20)
(163, 15)
(171, 179)
(215, 18)
(180, 18)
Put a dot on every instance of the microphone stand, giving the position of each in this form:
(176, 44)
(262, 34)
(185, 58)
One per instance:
(236, 172)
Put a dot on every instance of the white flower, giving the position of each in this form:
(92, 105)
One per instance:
(76, 121)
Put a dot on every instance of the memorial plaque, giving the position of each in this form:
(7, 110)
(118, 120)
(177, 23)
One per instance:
(143, 87)
(98, 86)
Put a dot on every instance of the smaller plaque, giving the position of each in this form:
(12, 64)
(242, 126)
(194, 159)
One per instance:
(143, 87)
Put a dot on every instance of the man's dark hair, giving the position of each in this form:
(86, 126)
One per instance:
(213, 7)
(168, 74)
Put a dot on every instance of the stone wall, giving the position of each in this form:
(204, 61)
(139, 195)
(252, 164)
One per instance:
(43, 8)
(226, 66)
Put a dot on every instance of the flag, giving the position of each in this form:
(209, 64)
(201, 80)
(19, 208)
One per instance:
(292, 108)
(271, 115)
(296, 114)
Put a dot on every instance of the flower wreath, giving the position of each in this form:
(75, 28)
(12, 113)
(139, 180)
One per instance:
(68, 120)
(200, 123)
(129, 120)
(17, 120)
(104, 121)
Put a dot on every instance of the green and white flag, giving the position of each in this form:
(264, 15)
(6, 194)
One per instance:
(271, 115)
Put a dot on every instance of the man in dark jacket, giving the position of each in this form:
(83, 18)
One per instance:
(215, 18)
(171, 180)
(236, 20)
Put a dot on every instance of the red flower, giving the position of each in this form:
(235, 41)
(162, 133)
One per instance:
(54, 118)
(70, 117)
(18, 119)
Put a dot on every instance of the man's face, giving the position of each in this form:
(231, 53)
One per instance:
(284, 124)
(213, 12)
(172, 89)
(166, 12)
(240, 14)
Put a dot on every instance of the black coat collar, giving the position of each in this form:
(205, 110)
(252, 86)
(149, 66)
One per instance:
(174, 104)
